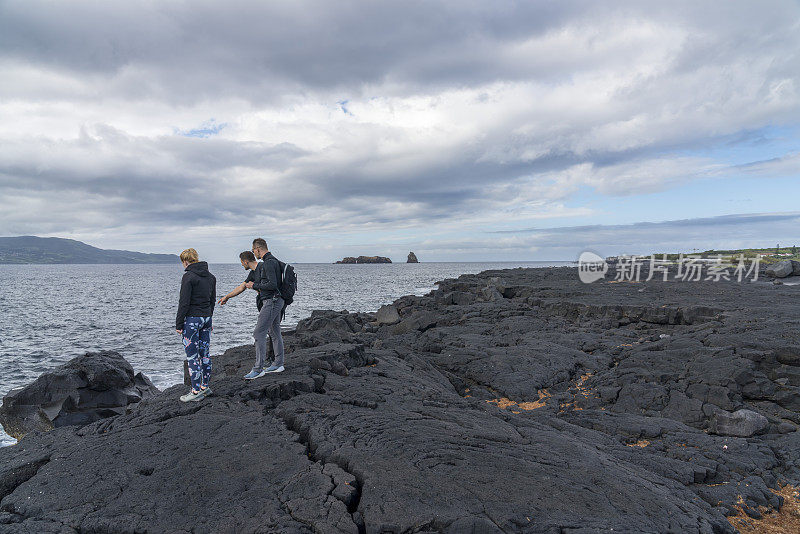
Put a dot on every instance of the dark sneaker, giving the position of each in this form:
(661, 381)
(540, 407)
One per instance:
(192, 396)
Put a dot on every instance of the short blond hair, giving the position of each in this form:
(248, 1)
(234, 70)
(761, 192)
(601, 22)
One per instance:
(190, 255)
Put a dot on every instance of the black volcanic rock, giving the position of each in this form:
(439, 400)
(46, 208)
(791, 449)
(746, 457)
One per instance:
(781, 269)
(412, 258)
(365, 259)
(387, 314)
(85, 389)
(742, 423)
(556, 407)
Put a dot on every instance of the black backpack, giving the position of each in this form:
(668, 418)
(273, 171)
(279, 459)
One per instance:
(287, 284)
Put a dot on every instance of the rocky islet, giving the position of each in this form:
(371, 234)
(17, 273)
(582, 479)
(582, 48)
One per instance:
(364, 259)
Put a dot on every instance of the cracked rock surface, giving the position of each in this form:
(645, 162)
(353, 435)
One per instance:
(509, 401)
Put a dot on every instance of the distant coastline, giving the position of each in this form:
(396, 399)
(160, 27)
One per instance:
(30, 250)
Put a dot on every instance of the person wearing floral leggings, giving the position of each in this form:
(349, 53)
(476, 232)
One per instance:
(197, 342)
(193, 322)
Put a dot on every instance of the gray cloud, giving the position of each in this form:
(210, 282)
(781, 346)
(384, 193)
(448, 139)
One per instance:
(644, 238)
(296, 45)
(457, 113)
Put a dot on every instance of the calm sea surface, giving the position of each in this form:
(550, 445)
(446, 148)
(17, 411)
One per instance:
(52, 313)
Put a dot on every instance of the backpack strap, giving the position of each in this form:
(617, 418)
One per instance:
(279, 281)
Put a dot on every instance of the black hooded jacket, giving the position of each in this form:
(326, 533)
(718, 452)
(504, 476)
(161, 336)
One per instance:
(198, 293)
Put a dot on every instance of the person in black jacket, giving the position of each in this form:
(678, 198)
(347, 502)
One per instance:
(267, 276)
(249, 262)
(193, 322)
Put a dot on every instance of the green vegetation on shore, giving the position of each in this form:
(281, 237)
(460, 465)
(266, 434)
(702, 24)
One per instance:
(768, 254)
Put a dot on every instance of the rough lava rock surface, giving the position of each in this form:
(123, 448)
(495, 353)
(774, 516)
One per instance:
(781, 269)
(557, 407)
(83, 390)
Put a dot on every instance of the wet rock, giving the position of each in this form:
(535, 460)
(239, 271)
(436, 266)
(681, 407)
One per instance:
(85, 389)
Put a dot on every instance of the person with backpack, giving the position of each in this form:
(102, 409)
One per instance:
(249, 263)
(193, 321)
(267, 280)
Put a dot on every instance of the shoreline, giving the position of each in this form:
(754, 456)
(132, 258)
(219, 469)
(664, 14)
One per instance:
(147, 347)
(675, 402)
(162, 384)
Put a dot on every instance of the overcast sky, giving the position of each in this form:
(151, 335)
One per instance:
(459, 130)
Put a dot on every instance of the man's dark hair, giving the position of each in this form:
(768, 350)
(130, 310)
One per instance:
(260, 243)
(247, 256)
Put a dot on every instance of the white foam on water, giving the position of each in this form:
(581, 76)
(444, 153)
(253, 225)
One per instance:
(5, 439)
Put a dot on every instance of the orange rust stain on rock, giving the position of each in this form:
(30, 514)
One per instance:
(641, 443)
(580, 391)
(542, 401)
(505, 403)
(783, 521)
(502, 402)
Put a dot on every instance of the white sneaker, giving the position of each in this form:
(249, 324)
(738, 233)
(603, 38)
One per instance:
(274, 369)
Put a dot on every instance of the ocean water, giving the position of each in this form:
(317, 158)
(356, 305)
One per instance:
(52, 313)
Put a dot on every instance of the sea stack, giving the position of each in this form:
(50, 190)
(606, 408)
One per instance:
(412, 258)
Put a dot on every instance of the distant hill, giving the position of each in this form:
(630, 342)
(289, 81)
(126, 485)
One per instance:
(32, 249)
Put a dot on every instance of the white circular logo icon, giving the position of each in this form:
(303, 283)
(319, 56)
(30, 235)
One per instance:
(591, 267)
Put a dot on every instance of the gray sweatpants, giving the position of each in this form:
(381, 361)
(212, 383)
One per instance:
(269, 322)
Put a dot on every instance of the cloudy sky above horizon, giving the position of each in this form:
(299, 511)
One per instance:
(465, 130)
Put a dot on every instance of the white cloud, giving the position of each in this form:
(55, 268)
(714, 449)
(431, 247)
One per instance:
(501, 114)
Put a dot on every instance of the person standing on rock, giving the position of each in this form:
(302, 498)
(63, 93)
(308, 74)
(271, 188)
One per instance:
(267, 280)
(248, 261)
(193, 321)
